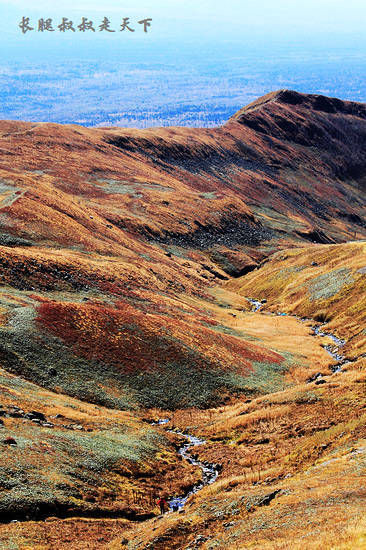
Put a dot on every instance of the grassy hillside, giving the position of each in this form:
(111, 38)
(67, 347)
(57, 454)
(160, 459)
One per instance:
(325, 283)
(127, 259)
(69, 458)
(125, 348)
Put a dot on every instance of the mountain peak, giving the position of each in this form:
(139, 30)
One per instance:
(315, 102)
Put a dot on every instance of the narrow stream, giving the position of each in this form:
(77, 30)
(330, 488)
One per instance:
(257, 305)
(334, 351)
(210, 471)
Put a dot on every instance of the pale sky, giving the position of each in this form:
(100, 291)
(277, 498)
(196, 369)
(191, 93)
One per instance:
(185, 25)
(315, 12)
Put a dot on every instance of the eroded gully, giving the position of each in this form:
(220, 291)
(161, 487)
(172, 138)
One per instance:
(210, 471)
(333, 350)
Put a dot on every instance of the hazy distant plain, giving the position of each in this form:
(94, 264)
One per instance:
(142, 94)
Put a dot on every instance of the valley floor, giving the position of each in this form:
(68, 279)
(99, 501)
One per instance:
(293, 460)
(131, 263)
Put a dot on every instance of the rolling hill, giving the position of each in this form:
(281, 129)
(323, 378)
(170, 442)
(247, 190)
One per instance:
(131, 262)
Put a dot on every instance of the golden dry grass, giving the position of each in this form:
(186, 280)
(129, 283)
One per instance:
(95, 235)
(333, 289)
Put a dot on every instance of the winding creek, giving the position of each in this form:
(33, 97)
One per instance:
(334, 351)
(210, 471)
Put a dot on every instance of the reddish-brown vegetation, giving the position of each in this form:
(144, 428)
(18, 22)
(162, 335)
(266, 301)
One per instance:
(116, 250)
(136, 340)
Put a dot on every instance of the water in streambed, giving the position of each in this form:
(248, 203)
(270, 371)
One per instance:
(210, 471)
(334, 351)
(257, 304)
